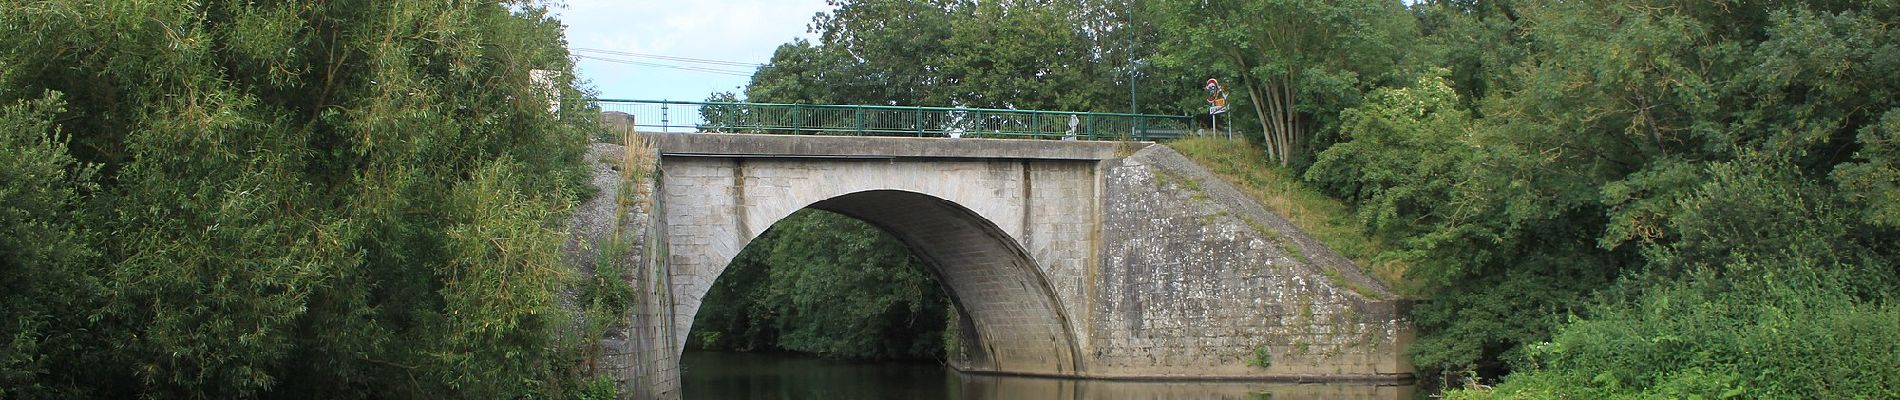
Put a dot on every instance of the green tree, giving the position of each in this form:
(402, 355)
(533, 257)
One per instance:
(328, 200)
(891, 49)
(1298, 63)
(799, 73)
(1581, 176)
(822, 283)
(1068, 55)
(1873, 179)
(1496, 257)
(724, 117)
(1027, 56)
(1477, 41)
(49, 270)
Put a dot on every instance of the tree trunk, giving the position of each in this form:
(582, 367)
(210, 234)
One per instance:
(1293, 131)
(1254, 93)
(1259, 109)
(1277, 108)
(1280, 132)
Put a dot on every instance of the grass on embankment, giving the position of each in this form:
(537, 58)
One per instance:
(1324, 218)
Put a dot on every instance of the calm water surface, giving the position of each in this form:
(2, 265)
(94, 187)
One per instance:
(713, 375)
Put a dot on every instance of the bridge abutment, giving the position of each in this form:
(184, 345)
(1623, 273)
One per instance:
(1200, 281)
(619, 234)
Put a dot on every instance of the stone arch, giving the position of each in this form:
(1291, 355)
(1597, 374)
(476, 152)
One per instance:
(1012, 319)
(1012, 312)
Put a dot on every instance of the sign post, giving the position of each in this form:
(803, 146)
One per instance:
(1217, 105)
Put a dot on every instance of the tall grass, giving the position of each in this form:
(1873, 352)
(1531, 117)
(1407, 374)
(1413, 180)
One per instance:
(638, 162)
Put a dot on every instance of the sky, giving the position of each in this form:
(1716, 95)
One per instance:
(663, 45)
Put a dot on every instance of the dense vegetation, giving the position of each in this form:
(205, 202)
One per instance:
(1644, 198)
(1641, 198)
(822, 283)
(229, 199)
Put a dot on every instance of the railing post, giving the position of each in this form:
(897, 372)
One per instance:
(859, 109)
(664, 125)
(1091, 129)
(920, 121)
(725, 121)
(797, 118)
(1036, 124)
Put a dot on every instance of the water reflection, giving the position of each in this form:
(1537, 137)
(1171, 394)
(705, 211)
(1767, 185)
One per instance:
(992, 387)
(711, 375)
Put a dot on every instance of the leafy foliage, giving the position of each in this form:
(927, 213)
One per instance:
(1586, 173)
(822, 283)
(1755, 313)
(1297, 62)
(1072, 55)
(48, 273)
(327, 200)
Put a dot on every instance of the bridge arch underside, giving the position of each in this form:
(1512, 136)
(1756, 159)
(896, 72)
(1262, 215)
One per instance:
(1013, 321)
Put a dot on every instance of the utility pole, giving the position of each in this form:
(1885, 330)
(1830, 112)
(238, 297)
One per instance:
(1129, 9)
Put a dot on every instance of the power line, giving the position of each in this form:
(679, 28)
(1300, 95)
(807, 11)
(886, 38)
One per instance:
(678, 67)
(671, 58)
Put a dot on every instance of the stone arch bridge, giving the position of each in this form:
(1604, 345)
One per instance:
(1110, 260)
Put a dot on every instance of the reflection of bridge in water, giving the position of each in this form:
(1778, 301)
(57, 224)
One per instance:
(985, 387)
(873, 120)
(723, 376)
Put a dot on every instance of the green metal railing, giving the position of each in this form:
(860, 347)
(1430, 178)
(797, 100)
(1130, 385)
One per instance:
(807, 119)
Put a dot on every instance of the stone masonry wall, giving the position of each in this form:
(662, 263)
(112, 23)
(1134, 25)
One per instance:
(1059, 232)
(636, 351)
(1197, 278)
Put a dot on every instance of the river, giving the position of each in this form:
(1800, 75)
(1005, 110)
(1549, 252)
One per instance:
(724, 376)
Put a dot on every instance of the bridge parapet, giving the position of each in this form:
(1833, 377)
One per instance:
(875, 147)
(885, 120)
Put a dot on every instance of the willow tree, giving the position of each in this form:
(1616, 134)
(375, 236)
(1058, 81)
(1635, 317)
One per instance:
(234, 199)
(1297, 62)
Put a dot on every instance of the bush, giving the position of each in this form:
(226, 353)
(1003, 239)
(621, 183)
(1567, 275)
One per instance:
(1761, 294)
(1689, 341)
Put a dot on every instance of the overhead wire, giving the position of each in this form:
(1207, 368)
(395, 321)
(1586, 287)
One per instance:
(658, 65)
(670, 58)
